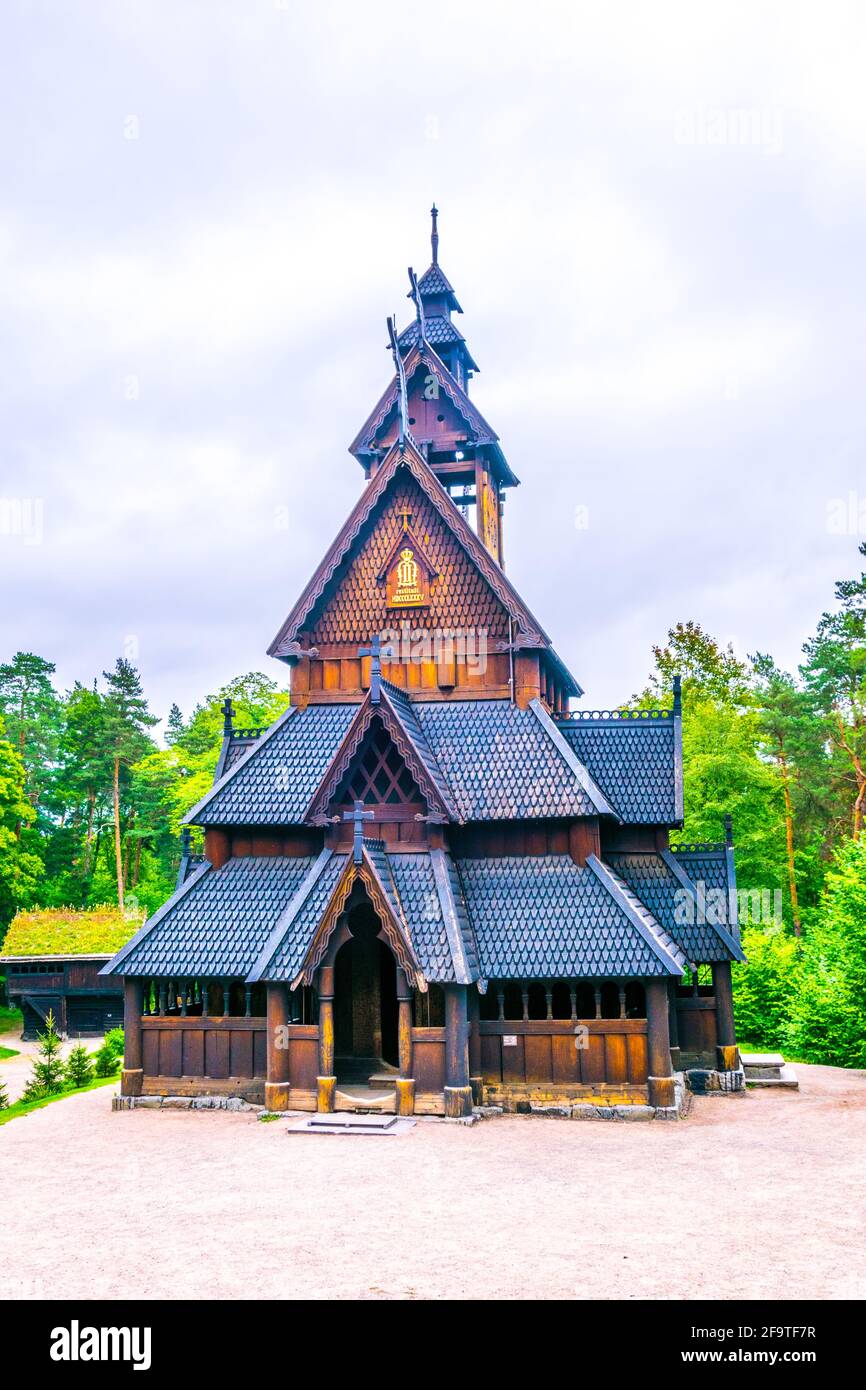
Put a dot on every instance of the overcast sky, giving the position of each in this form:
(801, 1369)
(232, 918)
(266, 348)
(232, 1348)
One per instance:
(653, 215)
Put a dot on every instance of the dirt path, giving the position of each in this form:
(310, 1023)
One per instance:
(15, 1071)
(761, 1196)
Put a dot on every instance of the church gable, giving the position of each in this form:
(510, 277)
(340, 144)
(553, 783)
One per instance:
(372, 594)
(379, 776)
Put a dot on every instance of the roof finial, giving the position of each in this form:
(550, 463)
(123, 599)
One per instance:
(434, 234)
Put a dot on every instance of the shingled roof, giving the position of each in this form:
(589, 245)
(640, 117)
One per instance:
(544, 917)
(423, 897)
(439, 332)
(397, 714)
(423, 359)
(217, 923)
(434, 283)
(274, 781)
(405, 456)
(663, 885)
(472, 759)
(501, 762)
(636, 759)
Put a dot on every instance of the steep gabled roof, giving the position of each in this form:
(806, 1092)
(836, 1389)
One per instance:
(434, 284)
(529, 632)
(501, 762)
(217, 922)
(439, 332)
(273, 781)
(636, 759)
(301, 952)
(426, 360)
(401, 722)
(545, 917)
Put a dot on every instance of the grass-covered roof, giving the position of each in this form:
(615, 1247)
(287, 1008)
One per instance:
(64, 931)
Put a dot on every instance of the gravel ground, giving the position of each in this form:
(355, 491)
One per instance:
(759, 1196)
(15, 1071)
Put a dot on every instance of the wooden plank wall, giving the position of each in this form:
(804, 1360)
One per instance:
(546, 1051)
(428, 1059)
(217, 1048)
(696, 1019)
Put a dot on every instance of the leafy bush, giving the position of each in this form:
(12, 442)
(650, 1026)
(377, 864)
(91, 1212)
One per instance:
(765, 987)
(114, 1041)
(106, 1061)
(828, 1013)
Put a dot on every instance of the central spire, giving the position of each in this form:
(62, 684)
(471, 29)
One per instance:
(434, 234)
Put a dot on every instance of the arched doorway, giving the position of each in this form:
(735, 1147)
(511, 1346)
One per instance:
(365, 1000)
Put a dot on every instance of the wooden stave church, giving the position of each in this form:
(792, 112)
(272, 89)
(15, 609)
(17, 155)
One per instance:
(429, 884)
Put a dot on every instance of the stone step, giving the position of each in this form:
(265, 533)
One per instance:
(785, 1077)
(762, 1065)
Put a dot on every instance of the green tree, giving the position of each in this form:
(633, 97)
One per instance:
(701, 663)
(724, 768)
(126, 719)
(85, 760)
(79, 1066)
(106, 1060)
(20, 867)
(48, 1074)
(793, 738)
(174, 726)
(32, 715)
(828, 1012)
(835, 675)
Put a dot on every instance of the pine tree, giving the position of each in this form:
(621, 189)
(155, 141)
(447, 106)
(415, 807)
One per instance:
(79, 1067)
(127, 717)
(49, 1072)
(174, 725)
(4, 1098)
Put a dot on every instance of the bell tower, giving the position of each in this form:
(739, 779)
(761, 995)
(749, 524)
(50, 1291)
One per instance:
(457, 442)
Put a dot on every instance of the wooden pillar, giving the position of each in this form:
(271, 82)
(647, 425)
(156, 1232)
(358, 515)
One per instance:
(326, 1080)
(660, 1075)
(476, 1078)
(277, 1085)
(404, 1024)
(727, 1054)
(674, 1024)
(458, 1092)
(405, 1084)
(132, 1076)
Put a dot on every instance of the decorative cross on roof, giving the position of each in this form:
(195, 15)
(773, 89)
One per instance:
(228, 713)
(405, 515)
(375, 652)
(358, 815)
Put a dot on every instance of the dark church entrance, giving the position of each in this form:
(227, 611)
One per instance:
(365, 1002)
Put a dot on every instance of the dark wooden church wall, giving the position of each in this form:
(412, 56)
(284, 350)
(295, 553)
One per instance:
(217, 1048)
(550, 1051)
